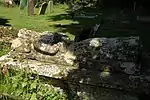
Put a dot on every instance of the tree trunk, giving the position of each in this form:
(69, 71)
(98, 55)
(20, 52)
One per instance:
(30, 7)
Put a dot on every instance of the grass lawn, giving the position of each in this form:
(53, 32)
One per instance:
(19, 19)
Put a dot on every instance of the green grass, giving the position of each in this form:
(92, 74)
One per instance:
(18, 85)
(19, 18)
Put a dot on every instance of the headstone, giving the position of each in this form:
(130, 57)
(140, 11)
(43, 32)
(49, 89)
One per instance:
(43, 8)
(50, 6)
(23, 4)
(30, 7)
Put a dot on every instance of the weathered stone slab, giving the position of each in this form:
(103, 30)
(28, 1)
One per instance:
(105, 49)
(57, 48)
(36, 67)
(107, 62)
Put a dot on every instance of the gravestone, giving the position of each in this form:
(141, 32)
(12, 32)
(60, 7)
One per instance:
(23, 4)
(30, 7)
(43, 8)
(50, 6)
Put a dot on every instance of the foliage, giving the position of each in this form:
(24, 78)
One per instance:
(20, 85)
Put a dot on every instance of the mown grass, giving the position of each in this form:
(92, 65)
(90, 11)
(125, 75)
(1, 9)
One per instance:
(19, 18)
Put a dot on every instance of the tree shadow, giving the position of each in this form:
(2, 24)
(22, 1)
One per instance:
(4, 22)
(108, 29)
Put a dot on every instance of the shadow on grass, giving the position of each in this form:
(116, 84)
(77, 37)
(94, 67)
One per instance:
(108, 29)
(4, 22)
